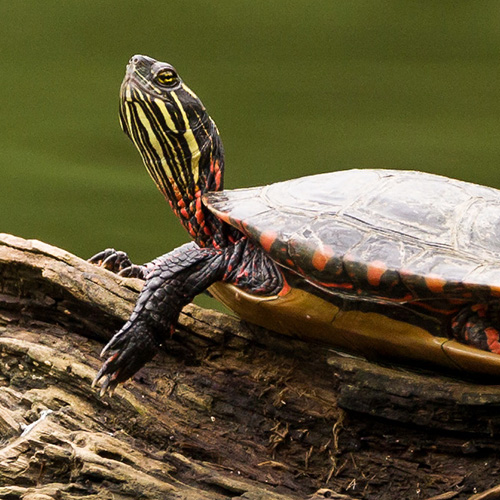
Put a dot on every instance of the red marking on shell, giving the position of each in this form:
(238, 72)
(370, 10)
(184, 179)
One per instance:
(375, 271)
(435, 283)
(428, 307)
(266, 240)
(184, 213)
(289, 262)
(345, 286)
(321, 257)
(408, 297)
(492, 337)
(181, 203)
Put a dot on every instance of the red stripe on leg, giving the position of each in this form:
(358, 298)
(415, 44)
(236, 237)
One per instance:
(492, 338)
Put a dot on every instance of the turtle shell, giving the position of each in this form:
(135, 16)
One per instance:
(377, 261)
(398, 235)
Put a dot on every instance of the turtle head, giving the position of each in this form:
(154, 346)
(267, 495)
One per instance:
(165, 100)
(178, 141)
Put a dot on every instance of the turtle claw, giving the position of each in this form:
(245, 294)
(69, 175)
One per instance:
(133, 271)
(109, 380)
(100, 257)
(117, 261)
(112, 260)
(108, 386)
(102, 373)
(130, 349)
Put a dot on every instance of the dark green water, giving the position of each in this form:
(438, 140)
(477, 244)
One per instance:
(296, 87)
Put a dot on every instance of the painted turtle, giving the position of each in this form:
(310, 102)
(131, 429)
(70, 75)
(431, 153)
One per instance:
(381, 262)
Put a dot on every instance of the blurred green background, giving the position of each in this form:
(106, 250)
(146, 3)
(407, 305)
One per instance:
(296, 88)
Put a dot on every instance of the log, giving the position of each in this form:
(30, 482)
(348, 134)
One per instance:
(225, 410)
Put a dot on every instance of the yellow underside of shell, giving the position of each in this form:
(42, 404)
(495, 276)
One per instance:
(303, 315)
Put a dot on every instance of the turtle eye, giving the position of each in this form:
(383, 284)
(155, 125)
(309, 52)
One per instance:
(167, 78)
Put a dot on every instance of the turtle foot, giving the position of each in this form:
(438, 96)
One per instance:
(118, 262)
(129, 350)
(477, 325)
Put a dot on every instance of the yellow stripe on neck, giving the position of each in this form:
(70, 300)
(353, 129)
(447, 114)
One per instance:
(190, 140)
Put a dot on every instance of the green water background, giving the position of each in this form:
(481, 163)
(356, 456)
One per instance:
(296, 88)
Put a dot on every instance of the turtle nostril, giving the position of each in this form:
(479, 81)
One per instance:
(136, 63)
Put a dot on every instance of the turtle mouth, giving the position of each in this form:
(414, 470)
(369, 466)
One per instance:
(128, 84)
(134, 79)
(138, 76)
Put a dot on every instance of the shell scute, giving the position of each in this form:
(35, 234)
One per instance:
(392, 234)
(413, 205)
(325, 245)
(314, 194)
(479, 230)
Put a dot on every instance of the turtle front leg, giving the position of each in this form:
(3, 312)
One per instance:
(175, 280)
(478, 325)
(119, 262)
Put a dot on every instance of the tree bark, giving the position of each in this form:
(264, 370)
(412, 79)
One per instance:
(226, 410)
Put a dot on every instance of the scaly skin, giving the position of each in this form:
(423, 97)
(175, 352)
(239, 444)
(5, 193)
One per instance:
(175, 279)
(474, 325)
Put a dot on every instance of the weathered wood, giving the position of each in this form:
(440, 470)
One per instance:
(227, 410)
